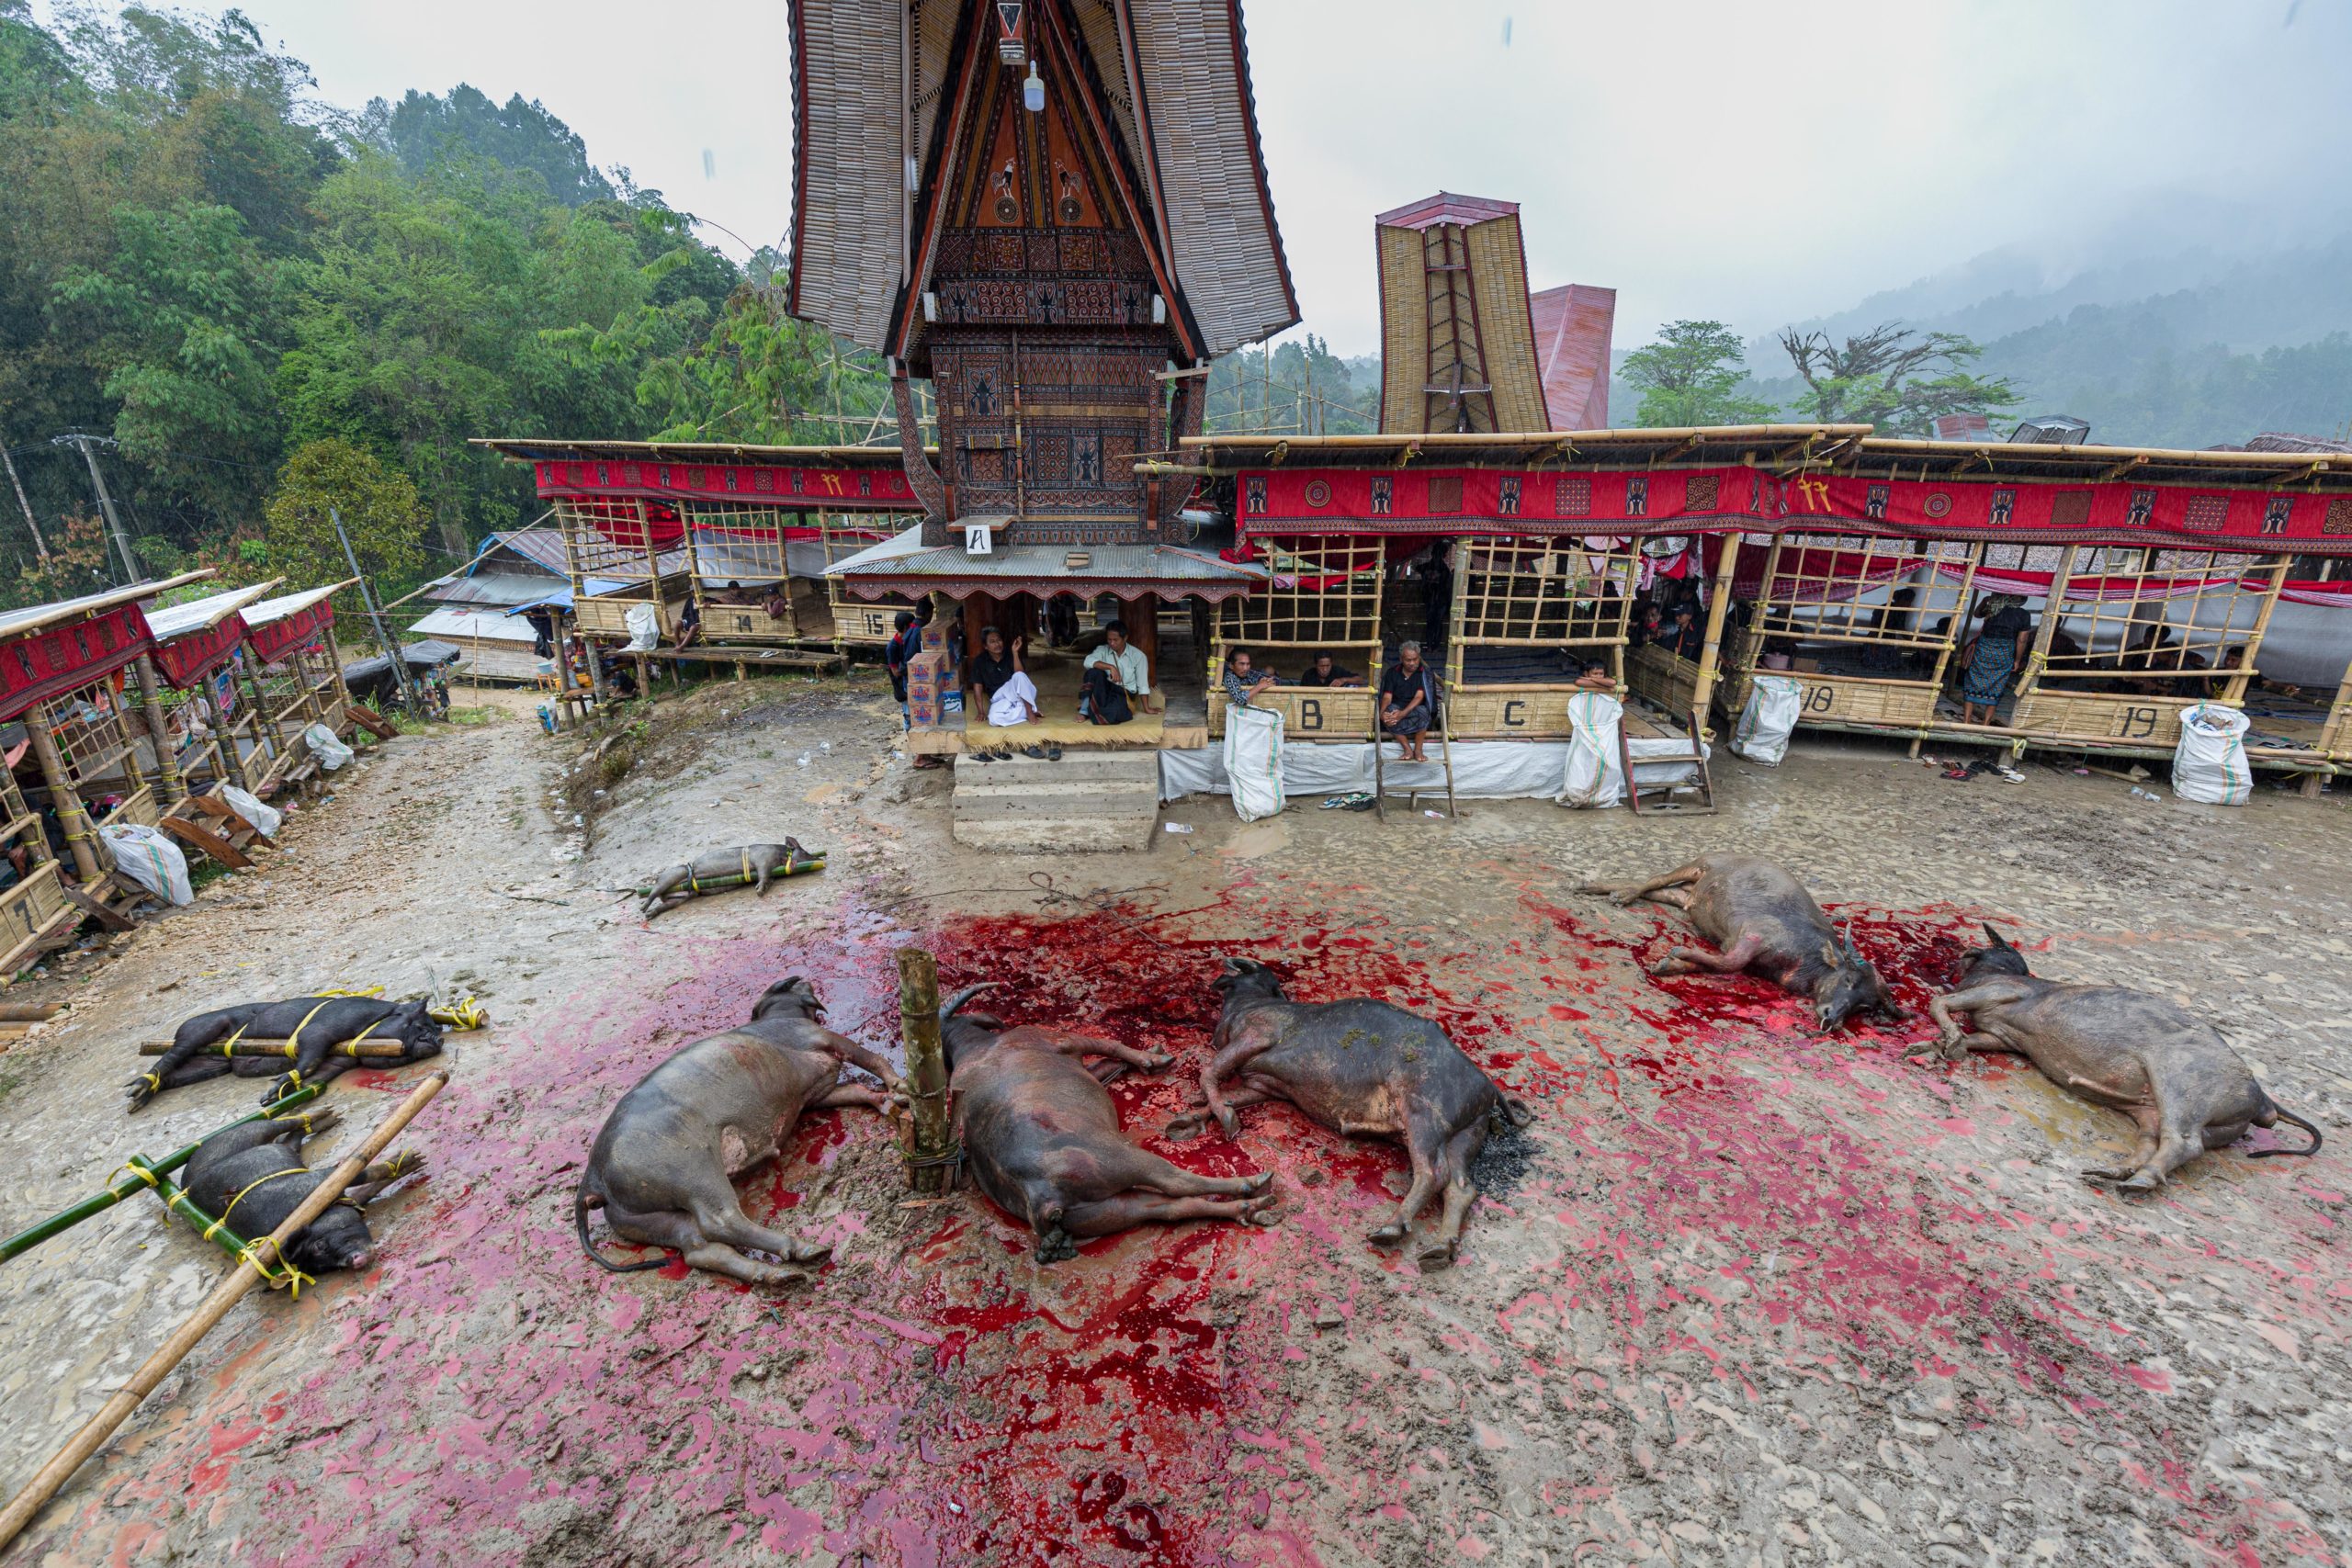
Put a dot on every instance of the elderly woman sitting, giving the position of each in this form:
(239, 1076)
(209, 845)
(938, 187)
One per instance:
(1407, 702)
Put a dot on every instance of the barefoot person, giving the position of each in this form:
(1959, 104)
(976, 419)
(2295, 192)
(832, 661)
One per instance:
(1407, 702)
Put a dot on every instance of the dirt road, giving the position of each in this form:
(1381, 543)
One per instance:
(1745, 1296)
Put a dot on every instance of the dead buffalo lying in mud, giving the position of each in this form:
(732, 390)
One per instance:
(662, 1166)
(1042, 1138)
(1362, 1068)
(316, 1025)
(747, 866)
(251, 1177)
(2127, 1050)
(1768, 925)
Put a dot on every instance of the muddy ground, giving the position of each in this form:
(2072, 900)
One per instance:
(1742, 1296)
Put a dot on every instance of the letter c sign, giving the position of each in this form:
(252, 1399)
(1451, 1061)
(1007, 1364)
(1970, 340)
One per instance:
(1515, 715)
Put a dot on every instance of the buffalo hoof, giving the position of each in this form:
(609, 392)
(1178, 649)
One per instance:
(1390, 1234)
(1260, 1212)
(1158, 1064)
(1258, 1181)
(1436, 1255)
(807, 1252)
(1186, 1127)
(2140, 1181)
(1055, 1245)
(1228, 1121)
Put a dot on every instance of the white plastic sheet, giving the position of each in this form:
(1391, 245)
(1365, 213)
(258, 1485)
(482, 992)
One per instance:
(1762, 735)
(1253, 761)
(263, 815)
(332, 754)
(2209, 763)
(1482, 770)
(1594, 776)
(644, 629)
(149, 859)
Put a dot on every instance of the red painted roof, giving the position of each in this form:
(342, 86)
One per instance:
(1445, 207)
(1573, 325)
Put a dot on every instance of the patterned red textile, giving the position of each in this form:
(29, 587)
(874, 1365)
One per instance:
(45, 664)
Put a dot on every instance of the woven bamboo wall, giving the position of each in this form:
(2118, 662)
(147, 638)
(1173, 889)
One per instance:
(1665, 679)
(1313, 713)
(31, 911)
(1498, 278)
(2119, 720)
(1405, 331)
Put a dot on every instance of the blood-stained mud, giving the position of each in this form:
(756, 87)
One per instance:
(1744, 1293)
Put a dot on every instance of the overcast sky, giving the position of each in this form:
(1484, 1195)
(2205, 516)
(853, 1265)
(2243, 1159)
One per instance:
(1756, 162)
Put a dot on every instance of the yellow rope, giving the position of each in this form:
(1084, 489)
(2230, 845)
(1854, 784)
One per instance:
(228, 1046)
(153, 1082)
(119, 1194)
(223, 1220)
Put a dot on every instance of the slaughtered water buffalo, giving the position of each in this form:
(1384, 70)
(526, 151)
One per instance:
(1042, 1138)
(747, 866)
(662, 1166)
(251, 1177)
(1766, 924)
(315, 1026)
(2173, 1074)
(1365, 1069)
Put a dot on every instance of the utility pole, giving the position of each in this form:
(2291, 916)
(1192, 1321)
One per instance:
(18, 485)
(106, 501)
(376, 619)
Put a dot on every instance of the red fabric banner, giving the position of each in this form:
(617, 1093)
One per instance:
(817, 487)
(1549, 500)
(45, 664)
(274, 640)
(185, 661)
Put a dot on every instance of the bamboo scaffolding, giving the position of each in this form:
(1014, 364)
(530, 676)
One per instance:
(1703, 689)
(249, 1272)
(931, 1151)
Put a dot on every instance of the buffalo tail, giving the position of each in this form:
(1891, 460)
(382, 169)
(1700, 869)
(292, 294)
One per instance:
(579, 1219)
(2290, 1116)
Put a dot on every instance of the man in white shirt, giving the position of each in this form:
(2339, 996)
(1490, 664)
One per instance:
(1119, 664)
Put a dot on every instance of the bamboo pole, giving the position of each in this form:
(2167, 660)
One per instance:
(248, 1273)
(167, 758)
(2236, 695)
(33, 1235)
(30, 1012)
(931, 1150)
(2053, 612)
(62, 796)
(1951, 636)
(360, 1049)
(1702, 688)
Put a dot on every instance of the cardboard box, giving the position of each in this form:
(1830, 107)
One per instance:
(928, 679)
(935, 635)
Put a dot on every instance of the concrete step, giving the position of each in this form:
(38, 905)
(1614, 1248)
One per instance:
(1045, 835)
(1087, 803)
(1122, 765)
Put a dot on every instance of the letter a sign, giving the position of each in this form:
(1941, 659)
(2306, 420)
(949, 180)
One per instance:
(978, 541)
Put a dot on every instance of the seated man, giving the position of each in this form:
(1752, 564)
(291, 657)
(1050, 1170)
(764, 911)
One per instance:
(1116, 679)
(994, 667)
(1407, 702)
(1323, 672)
(1243, 687)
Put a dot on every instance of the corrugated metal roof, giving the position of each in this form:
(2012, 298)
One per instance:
(493, 627)
(500, 588)
(1574, 324)
(201, 614)
(1445, 207)
(541, 546)
(908, 556)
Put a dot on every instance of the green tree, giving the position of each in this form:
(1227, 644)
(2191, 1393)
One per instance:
(1690, 377)
(1886, 378)
(381, 511)
(425, 129)
(179, 320)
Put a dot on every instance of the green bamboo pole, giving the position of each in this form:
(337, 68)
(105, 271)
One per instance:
(116, 1191)
(214, 1231)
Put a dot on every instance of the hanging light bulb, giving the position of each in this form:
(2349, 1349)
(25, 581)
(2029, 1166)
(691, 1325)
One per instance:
(1033, 91)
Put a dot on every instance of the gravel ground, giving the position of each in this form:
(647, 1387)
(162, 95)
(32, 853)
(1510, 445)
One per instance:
(1739, 1295)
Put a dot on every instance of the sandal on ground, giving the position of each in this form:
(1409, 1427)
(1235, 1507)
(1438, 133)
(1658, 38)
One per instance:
(1036, 751)
(1053, 751)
